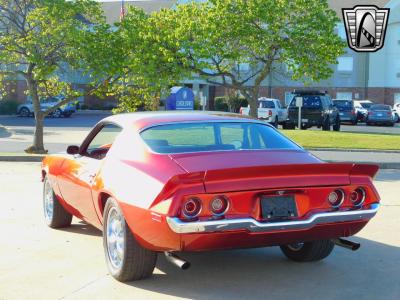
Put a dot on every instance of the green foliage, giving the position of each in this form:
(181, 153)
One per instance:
(220, 104)
(210, 39)
(8, 107)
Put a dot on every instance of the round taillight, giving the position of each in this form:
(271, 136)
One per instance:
(191, 207)
(335, 198)
(357, 197)
(219, 205)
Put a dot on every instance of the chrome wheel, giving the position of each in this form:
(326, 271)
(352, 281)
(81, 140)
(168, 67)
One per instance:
(295, 247)
(48, 202)
(115, 237)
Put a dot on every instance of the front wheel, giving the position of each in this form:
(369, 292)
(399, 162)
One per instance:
(126, 259)
(326, 126)
(24, 112)
(54, 213)
(308, 251)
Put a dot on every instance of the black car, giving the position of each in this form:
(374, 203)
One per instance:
(317, 110)
(347, 112)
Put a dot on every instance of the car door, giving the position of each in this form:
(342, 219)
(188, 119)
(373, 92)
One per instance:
(80, 170)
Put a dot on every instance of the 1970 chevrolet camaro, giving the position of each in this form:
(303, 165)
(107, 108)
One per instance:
(169, 182)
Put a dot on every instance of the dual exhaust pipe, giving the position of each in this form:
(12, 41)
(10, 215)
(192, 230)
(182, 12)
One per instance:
(184, 264)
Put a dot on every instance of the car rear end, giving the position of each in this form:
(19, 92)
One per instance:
(311, 111)
(347, 111)
(265, 110)
(250, 195)
(380, 114)
(271, 211)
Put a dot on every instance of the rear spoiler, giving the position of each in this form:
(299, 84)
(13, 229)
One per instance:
(285, 176)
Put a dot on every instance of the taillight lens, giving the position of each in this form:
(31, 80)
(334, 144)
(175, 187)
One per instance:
(191, 207)
(353, 112)
(270, 113)
(335, 198)
(357, 197)
(219, 205)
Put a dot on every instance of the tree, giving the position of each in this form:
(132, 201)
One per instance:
(42, 41)
(218, 39)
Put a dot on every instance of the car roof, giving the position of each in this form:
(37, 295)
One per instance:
(146, 119)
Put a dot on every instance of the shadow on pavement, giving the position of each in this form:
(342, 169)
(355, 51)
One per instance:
(83, 228)
(266, 273)
(4, 133)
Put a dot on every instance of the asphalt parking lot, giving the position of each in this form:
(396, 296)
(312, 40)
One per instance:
(37, 262)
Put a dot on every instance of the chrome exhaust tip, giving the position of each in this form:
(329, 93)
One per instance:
(177, 261)
(347, 244)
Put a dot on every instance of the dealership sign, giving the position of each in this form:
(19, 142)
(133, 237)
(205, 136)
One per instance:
(365, 27)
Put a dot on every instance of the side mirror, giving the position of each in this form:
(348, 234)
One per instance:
(73, 150)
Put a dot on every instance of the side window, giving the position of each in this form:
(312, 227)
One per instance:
(278, 104)
(102, 142)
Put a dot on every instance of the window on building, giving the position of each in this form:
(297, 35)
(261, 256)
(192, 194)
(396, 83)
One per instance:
(344, 95)
(345, 64)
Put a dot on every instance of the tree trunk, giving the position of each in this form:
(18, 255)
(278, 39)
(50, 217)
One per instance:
(38, 145)
(253, 101)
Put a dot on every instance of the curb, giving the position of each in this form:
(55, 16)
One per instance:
(93, 112)
(352, 150)
(22, 158)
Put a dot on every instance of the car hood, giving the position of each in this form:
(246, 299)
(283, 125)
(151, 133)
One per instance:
(206, 161)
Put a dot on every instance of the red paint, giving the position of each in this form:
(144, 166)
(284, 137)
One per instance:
(149, 187)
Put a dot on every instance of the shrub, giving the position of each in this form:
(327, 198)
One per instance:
(220, 104)
(8, 107)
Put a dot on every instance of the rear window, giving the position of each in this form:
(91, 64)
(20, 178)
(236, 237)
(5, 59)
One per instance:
(366, 105)
(214, 136)
(343, 103)
(381, 107)
(267, 104)
(308, 101)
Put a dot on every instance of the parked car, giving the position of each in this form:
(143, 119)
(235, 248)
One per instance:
(396, 112)
(317, 110)
(380, 114)
(347, 112)
(168, 182)
(362, 108)
(26, 109)
(269, 110)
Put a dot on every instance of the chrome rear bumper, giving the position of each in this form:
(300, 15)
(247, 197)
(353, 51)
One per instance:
(253, 225)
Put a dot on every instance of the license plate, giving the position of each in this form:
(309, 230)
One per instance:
(380, 115)
(304, 120)
(340, 114)
(278, 207)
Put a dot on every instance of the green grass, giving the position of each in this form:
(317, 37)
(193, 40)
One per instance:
(343, 140)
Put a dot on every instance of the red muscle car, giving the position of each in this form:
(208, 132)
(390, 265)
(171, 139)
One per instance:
(168, 182)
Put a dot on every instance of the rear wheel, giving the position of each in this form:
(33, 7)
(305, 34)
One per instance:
(276, 122)
(24, 112)
(54, 213)
(326, 126)
(57, 113)
(336, 126)
(126, 259)
(308, 251)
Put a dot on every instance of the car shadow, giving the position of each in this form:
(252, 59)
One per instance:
(83, 228)
(369, 273)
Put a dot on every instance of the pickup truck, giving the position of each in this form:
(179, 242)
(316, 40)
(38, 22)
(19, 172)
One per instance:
(269, 110)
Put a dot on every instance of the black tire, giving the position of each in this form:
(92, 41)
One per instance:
(136, 262)
(67, 115)
(57, 113)
(336, 126)
(276, 122)
(288, 126)
(55, 216)
(354, 122)
(326, 126)
(24, 112)
(308, 251)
